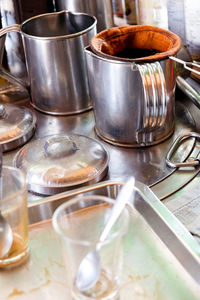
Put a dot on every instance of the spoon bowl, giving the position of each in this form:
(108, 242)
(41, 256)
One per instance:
(91, 263)
(90, 267)
(6, 235)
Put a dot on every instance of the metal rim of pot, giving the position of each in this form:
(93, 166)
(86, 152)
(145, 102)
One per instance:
(19, 27)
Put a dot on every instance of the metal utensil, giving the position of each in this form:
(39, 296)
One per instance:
(190, 161)
(187, 65)
(188, 90)
(165, 225)
(6, 236)
(90, 267)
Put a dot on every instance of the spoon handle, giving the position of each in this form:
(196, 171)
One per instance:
(1, 163)
(120, 203)
(1, 160)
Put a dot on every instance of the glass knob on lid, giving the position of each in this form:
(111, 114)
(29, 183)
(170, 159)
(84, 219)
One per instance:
(58, 147)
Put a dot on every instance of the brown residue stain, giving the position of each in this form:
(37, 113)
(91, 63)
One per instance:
(134, 279)
(46, 272)
(38, 288)
(61, 283)
(15, 292)
(158, 293)
(138, 277)
(53, 262)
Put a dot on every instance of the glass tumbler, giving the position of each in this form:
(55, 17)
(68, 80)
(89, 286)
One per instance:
(79, 223)
(14, 216)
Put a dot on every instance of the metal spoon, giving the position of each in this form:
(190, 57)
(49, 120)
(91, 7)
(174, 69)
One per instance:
(6, 236)
(90, 267)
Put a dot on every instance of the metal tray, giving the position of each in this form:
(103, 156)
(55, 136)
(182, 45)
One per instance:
(150, 270)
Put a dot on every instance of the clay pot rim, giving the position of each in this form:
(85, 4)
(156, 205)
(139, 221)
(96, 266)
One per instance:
(102, 37)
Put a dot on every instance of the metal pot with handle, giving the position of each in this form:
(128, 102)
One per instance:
(54, 50)
(102, 10)
(133, 94)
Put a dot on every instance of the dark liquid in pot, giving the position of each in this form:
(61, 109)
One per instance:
(136, 53)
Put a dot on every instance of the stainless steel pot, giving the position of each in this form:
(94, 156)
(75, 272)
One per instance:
(133, 98)
(10, 13)
(102, 10)
(54, 49)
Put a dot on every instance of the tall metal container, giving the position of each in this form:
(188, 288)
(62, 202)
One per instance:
(102, 10)
(133, 98)
(14, 59)
(54, 48)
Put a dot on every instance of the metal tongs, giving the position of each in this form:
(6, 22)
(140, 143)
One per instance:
(191, 161)
(187, 65)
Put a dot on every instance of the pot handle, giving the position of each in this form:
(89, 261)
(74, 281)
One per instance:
(4, 73)
(155, 102)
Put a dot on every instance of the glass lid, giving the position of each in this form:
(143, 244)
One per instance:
(58, 162)
(17, 125)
